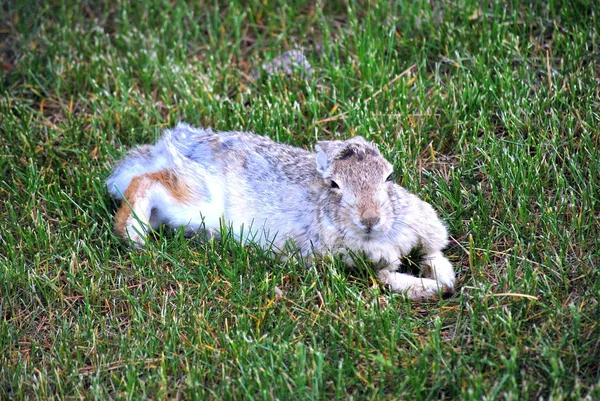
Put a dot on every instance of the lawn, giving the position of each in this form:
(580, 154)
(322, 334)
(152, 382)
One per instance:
(490, 111)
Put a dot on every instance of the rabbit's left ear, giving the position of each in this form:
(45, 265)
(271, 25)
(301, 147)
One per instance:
(326, 151)
(323, 161)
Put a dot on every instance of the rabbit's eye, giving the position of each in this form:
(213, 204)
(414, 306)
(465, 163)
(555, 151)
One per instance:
(334, 185)
(390, 178)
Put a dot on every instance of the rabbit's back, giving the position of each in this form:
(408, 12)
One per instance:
(267, 185)
(248, 180)
(235, 155)
(247, 156)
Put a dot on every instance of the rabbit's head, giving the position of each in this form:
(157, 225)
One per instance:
(359, 184)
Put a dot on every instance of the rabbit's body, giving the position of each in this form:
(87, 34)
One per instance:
(333, 201)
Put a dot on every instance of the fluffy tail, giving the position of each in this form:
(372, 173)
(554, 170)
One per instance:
(171, 151)
(140, 160)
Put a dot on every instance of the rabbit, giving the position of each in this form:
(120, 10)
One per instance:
(339, 200)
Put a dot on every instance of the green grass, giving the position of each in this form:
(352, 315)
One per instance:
(496, 125)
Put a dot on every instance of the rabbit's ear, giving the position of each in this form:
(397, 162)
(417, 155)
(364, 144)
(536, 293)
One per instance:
(324, 158)
(327, 152)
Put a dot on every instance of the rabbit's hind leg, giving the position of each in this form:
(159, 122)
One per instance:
(144, 202)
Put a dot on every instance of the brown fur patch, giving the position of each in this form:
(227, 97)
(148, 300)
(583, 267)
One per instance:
(121, 218)
(139, 186)
(176, 187)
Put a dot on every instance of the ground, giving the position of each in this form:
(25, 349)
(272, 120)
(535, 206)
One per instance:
(488, 110)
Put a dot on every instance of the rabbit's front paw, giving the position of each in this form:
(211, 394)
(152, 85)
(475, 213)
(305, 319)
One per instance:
(441, 270)
(411, 286)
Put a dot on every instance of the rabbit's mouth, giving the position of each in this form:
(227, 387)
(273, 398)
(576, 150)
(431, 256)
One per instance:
(368, 236)
(369, 233)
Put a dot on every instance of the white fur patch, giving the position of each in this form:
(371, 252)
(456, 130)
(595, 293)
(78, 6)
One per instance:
(192, 215)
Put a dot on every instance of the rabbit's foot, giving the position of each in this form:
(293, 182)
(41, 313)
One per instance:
(439, 268)
(413, 287)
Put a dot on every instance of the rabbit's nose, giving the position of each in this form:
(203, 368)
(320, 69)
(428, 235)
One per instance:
(370, 220)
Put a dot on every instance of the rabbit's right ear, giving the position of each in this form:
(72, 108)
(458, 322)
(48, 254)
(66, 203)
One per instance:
(324, 158)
